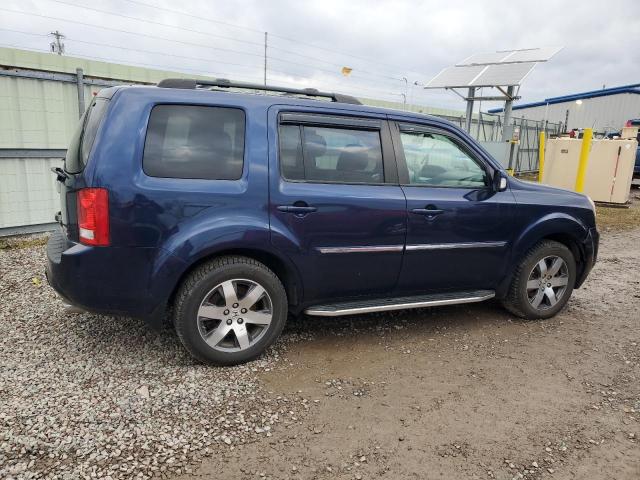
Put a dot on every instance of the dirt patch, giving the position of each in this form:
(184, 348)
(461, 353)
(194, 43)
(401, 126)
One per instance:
(23, 241)
(620, 218)
(462, 392)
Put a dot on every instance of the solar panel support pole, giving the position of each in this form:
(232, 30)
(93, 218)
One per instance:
(471, 94)
(508, 103)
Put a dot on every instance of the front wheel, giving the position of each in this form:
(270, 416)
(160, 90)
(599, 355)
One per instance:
(543, 282)
(229, 310)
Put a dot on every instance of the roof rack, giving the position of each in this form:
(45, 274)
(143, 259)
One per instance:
(188, 83)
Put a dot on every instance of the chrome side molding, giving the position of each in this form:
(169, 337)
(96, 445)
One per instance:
(399, 248)
(447, 246)
(362, 249)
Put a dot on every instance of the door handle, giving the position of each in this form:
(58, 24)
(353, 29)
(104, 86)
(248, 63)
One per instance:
(297, 209)
(429, 212)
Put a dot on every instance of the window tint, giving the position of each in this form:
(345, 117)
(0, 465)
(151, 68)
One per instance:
(185, 141)
(436, 160)
(85, 134)
(323, 154)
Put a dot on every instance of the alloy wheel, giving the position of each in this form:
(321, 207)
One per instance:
(234, 315)
(547, 282)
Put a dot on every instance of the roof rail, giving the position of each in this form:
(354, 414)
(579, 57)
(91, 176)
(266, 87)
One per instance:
(188, 83)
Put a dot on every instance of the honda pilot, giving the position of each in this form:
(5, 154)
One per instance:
(228, 208)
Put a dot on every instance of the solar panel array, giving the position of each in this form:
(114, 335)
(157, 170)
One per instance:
(511, 56)
(504, 68)
(506, 74)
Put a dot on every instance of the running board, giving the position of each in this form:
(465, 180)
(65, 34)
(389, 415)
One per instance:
(399, 303)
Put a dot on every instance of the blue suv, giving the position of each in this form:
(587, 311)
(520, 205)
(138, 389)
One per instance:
(226, 207)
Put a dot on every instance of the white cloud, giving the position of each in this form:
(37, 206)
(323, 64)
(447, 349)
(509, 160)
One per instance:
(383, 41)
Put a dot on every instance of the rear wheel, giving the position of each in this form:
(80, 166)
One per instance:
(229, 310)
(543, 282)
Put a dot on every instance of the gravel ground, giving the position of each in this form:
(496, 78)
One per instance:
(458, 392)
(85, 396)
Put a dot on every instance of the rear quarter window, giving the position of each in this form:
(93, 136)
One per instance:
(187, 141)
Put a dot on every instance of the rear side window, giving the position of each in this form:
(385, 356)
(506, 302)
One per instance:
(186, 141)
(330, 155)
(85, 134)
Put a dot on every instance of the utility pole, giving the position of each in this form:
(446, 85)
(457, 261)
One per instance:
(265, 59)
(57, 46)
(406, 91)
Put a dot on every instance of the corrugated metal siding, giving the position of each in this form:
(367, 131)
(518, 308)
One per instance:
(62, 63)
(42, 114)
(601, 113)
(28, 194)
(39, 114)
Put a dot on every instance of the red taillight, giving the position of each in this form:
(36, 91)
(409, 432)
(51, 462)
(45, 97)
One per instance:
(93, 216)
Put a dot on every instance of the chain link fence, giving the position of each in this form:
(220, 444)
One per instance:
(487, 127)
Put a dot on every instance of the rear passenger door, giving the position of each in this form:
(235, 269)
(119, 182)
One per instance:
(336, 208)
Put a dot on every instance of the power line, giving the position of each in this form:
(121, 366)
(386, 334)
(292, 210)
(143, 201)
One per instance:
(153, 22)
(154, 52)
(101, 44)
(157, 7)
(165, 68)
(353, 89)
(172, 40)
(296, 41)
(131, 33)
(290, 52)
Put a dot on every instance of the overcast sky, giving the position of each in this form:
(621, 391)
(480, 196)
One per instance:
(309, 41)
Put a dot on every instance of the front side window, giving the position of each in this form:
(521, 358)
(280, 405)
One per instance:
(330, 155)
(436, 160)
(186, 141)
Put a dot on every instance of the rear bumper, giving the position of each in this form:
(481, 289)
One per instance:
(107, 280)
(590, 248)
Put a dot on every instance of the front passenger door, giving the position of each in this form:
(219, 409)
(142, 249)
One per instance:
(458, 226)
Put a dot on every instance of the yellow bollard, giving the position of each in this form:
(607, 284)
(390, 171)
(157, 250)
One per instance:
(584, 159)
(540, 157)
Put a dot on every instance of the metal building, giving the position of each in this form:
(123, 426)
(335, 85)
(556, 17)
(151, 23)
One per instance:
(42, 95)
(41, 98)
(604, 110)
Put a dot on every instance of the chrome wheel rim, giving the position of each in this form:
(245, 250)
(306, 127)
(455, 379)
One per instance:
(547, 282)
(234, 315)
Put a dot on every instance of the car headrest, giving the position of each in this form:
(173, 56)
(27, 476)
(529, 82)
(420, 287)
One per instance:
(353, 159)
(315, 145)
(431, 171)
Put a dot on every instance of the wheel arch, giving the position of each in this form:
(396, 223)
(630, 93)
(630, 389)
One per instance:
(558, 227)
(281, 267)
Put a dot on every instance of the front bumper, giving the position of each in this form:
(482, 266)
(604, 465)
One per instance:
(590, 250)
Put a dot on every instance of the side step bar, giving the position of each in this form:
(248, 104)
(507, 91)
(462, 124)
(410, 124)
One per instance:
(399, 303)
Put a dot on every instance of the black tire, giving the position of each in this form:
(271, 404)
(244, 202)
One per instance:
(517, 299)
(199, 284)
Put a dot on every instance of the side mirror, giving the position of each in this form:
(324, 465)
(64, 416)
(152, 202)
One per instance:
(500, 181)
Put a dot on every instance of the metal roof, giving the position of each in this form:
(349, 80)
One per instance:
(633, 88)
